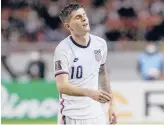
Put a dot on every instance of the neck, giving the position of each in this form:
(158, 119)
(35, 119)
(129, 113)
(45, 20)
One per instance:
(81, 40)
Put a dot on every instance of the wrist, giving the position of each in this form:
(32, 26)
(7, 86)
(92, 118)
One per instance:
(111, 103)
(87, 92)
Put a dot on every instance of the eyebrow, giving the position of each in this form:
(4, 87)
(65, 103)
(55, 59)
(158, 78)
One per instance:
(79, 15)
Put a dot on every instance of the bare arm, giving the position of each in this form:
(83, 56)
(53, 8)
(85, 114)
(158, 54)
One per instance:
(66, 88)
(105, 86)
(104, 80)
(69, 89)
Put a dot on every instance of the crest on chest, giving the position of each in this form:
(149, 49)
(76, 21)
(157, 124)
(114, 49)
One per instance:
(98, 55)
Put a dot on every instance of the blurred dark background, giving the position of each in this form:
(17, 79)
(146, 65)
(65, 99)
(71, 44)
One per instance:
(114, 20)
(129, 26)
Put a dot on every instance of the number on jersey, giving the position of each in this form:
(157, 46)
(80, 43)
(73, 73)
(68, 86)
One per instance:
(77, 72)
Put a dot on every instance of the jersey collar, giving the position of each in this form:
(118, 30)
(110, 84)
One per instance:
(81, 46)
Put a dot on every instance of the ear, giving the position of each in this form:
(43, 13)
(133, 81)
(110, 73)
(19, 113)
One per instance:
(67, 26)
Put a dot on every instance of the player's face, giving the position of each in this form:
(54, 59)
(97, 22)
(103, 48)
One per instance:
(78, 23)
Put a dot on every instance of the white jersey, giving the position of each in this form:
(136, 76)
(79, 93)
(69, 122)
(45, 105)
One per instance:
(82, 64)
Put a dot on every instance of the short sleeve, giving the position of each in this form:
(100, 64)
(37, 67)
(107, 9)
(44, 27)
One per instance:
(60, 62)
(104, 54)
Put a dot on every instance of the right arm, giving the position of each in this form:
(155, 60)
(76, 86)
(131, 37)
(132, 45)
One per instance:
(66, 88)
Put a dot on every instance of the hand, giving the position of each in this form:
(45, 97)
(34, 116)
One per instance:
(100, 96)
(112, 116)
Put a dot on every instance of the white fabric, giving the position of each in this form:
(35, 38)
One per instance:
(101, 120)
(82, 68)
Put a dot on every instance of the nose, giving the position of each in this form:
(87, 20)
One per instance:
(84, 19)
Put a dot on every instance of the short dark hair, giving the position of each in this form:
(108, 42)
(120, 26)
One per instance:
(68, 10)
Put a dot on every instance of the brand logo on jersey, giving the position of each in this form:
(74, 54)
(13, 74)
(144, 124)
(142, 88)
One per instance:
(75, 60)
(97, 54)
(58, 65)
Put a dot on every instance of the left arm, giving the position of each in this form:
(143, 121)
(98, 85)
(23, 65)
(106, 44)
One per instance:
(106, 86)
(104, 81)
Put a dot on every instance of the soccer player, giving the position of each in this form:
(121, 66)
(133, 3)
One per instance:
(78, 61)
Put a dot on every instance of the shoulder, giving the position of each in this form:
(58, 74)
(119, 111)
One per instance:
(98, 39)
(160, 56)
(63, 45)
(99, 42)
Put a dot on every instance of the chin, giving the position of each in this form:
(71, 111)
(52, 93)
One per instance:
(87, 30)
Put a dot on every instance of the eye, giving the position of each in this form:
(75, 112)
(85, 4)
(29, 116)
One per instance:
(77, 17)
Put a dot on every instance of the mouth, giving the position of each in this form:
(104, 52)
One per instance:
(85, 25)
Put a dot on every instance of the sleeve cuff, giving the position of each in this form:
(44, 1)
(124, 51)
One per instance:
(59, 73)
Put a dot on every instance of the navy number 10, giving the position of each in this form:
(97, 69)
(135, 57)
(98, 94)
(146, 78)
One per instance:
(77, 72)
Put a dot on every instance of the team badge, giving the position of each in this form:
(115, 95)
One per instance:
(58, 65)
(97, 54)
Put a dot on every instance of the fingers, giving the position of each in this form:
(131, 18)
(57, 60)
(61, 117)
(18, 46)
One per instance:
(102, 100)
(101, 96)
(106, 96)
(113, 119)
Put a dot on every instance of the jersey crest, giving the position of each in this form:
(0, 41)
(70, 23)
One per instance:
(58, 65)
(97, 55)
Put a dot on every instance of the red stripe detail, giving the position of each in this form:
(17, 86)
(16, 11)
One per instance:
(61, 103)
(61, 73)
